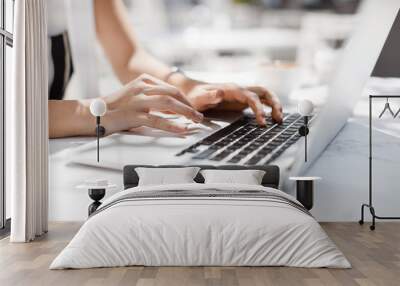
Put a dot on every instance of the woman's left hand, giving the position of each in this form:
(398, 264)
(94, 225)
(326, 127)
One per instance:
(235, 98)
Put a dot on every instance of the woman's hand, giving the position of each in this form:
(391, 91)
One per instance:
(129, 107)
(233, 97)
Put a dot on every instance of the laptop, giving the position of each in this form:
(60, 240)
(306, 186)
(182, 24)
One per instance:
(237, 139)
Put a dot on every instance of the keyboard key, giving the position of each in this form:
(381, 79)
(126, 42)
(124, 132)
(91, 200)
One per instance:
(254, 160)
(214, 147)
(235, 160)
(221, 156)
(223, 132)
(205, 154)
(192, 150)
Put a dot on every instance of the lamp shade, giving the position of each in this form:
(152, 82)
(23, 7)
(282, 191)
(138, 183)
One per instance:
(305, 107)
(98, 107)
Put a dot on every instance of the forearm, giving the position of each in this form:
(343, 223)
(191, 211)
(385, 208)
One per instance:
(127, 57)
(119, 42)
(69, 118)
(142, 62)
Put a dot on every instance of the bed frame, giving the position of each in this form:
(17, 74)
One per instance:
(270, 179)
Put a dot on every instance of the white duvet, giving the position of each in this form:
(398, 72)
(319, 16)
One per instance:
(200, 231)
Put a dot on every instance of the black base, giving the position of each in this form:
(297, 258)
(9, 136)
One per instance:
(374, 216)
(305, 193)
(96, 195)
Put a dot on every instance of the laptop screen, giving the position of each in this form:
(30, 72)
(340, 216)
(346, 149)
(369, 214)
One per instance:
(388, 63)
(375, 23)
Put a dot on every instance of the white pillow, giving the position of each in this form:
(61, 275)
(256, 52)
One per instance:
(247, 177)
(166, 176)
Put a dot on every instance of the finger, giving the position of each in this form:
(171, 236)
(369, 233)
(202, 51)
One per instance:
(255, 104)
(151, 79)
(157, 122)
(277, 113)
(276, 110)
(176, 92)
(147, 78)
(167, 103)
(166, 90)
(149, 85)
(270, 99)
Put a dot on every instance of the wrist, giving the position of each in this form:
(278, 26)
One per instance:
(86, 122)
(181, 81)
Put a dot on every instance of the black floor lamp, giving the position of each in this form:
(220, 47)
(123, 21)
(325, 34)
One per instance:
(98, 108)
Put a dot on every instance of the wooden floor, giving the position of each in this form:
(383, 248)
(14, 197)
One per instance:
(375, 257)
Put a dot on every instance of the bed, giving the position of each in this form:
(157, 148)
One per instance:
(198, 224)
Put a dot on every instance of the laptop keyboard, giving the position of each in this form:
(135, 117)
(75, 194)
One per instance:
(244, 140)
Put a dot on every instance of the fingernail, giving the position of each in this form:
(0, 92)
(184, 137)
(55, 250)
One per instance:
(199, 116)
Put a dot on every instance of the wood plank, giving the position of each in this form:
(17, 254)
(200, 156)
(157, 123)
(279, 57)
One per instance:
(375, 257)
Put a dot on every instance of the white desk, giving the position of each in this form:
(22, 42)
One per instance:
(66, 202)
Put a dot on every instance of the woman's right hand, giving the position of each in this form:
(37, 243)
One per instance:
(130, 106)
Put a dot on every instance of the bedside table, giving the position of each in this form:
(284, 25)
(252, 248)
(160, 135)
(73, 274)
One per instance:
(96, 191)
(305, 190)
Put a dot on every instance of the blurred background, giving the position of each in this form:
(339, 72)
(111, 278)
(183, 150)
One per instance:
(282, 44)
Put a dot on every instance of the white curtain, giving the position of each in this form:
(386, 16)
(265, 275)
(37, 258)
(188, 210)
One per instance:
(26, 121)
